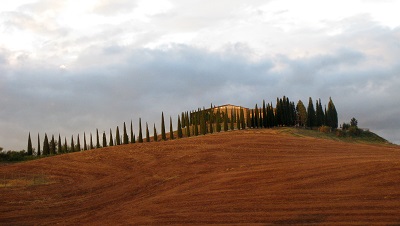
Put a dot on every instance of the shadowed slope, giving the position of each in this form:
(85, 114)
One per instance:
(248, 177)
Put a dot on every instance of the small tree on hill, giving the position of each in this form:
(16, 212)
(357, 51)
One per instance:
(111, 139)
(140, 131)
(117, 137)
(84, 142)
(38, 149)
(91, 142)
(354, 122)
(171, 130)
(78, 144)
(46, 146)
(104, 139)
(155, 133)
(72, 144)
(163, 135)
(52, 146)
(132, 137)
(180, 134)
(301, 114)
(147, 133)
(97, 139)
(30, 149)
(126, 138)
(59, 144)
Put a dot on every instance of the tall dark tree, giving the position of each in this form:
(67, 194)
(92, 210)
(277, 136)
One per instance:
(38, 153)
(319, 114)
(104, 139)
(180, 134)
(97, 139)
(264, 115)
(65, 146)
(242, 120)
(187, 126)
(111, 139)
(46, 145)
(52, 146)
(125, 137)
(29, 149)
(132, 137)
(163, 135)
(140, 131)
(78, 144)
(91, 142)
(211, 120)
(257, 118)
(311, 118)
(72, 144)
(59, 148)
(238, 120)
(84, 142)
(218, 121)
(196, 127)
(171, 130)
(332, 116)
(226, 120)
(155, 136)
(232, 119)
(301, 114)
(147, 133)
(117, 137)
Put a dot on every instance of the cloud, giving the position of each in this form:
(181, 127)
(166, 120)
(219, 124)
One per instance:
(114, 7)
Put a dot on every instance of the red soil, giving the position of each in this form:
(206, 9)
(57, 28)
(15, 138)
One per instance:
(242, 177)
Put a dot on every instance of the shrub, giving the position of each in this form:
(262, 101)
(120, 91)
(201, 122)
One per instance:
(354, 131)
(340, 133)
(325, 129)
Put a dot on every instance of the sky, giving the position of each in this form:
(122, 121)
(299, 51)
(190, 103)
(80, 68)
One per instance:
(69, 67)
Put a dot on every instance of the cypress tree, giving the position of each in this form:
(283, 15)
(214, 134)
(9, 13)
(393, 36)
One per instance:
(29, 149)
(179, 128)
(97, 139)
(72, 144)
(147, 133)
(242, 121)
(140, 131)
(301, 114)
(226, 120)
(232, 120)
(132, 138)
(332, 116)
(111, 139)
(126, 138)
(46, 146)
(211, 121)
(257, 118)
(52, 146)
(311, 118)
(218, 121)
(248, 118)
(187, 126)
(84, 142)
(59, 144)
(171, 129)
(117, 137)
(163, 135)
(238, 120)
(78, 144)
(104, 139)
(155, 133)
(38, 150)
(196, 127)
(65, 146)
(319, 114)
(264, 115)
(91, 142)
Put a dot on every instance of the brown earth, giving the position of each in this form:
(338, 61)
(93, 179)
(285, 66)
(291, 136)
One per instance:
(233, 178)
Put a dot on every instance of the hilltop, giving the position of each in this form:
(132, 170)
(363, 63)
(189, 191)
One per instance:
(258, 176)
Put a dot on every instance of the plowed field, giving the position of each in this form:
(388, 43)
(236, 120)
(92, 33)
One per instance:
(233, 178)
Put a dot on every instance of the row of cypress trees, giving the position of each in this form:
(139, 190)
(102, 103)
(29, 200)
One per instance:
(201, 122)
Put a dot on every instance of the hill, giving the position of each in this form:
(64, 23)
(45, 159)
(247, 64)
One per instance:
(241, 177)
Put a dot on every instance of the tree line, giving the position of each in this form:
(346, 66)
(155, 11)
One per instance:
(199, 122)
